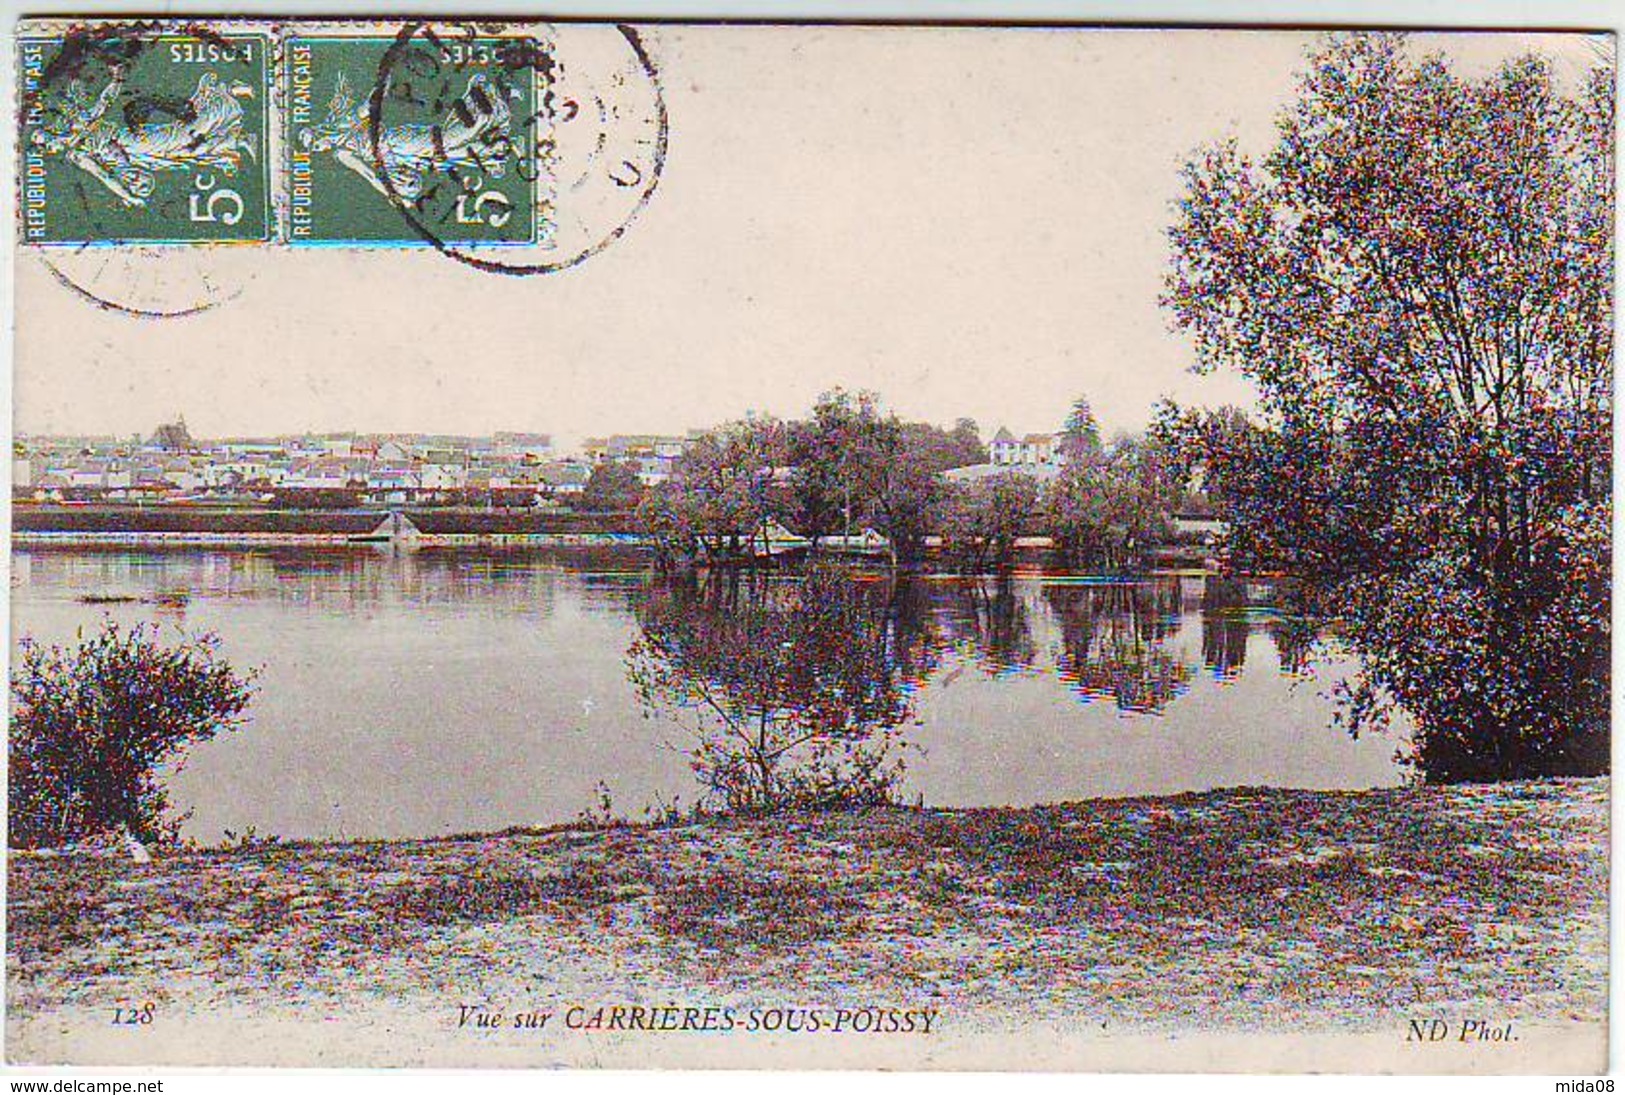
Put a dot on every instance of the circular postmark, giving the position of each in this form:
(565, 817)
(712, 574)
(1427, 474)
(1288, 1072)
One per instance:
(517, 150)
(144, 155)
(151, 282)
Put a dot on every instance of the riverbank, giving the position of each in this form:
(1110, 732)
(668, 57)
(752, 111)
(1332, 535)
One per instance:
(1327, 914)
(103, 520)
(203, 525)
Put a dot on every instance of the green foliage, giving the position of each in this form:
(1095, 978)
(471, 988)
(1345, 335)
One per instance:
(856, 466)
(834, 451)
(92, 723)
(851, 465)
(1418, 280)
(846, 466)
(966, 438)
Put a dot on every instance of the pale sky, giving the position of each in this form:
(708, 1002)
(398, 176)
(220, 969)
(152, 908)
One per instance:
(967, 221)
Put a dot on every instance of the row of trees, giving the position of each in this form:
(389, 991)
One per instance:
(846, 466)
(851, 465)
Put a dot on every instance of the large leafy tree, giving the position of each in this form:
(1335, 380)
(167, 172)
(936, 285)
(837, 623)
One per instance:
(857, 464)
(1109, 506)
(723, 492)
(1418, 280)
(833, 450)
(982, 519)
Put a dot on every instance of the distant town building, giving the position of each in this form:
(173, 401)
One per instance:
(378, 469)
(1007, 450)
(654, 456)
(522, 446)
(173, 436)
(336, 444)
(252, 446)
(565, 477)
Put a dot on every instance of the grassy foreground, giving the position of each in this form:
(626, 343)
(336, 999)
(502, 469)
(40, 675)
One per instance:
(1241, 907)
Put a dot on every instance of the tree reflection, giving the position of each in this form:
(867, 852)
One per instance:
(793, 690)
(1113, 643)
(916, 642)
(1296, 631)
(1225, 627)
(991, 619)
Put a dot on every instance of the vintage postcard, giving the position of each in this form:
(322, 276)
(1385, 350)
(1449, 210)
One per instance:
(810, 546)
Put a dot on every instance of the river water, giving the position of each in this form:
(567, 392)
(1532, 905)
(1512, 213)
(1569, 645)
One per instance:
(446, 691)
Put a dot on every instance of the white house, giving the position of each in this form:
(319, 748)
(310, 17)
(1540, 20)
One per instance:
(1034, 449)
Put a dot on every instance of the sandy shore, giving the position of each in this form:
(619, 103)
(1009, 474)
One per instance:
(1289, 929)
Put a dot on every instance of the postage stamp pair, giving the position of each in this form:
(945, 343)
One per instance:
(318, 134)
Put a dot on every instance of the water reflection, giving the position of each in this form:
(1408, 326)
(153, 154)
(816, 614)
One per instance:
(1113, 643)
(792, 692)
(344, 578)
(459, 690)
(1118, 640)
(1226, 623)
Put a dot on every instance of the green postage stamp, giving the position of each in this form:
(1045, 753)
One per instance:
(414, 139)
(516, 146)
(138, 137)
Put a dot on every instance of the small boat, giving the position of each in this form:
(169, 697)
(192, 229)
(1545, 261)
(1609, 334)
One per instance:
(867, 543)
(773, 541)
